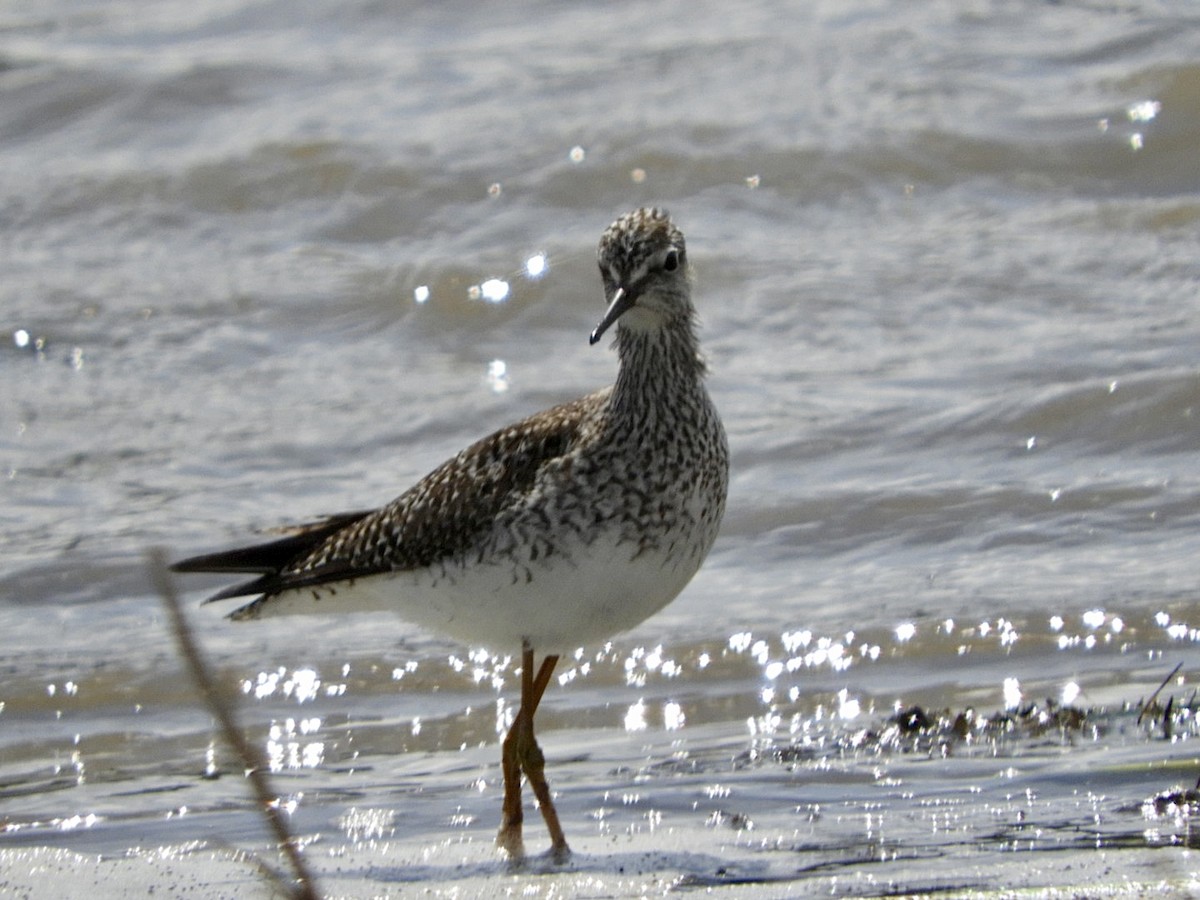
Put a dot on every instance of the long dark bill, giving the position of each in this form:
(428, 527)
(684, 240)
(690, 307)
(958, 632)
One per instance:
(622, 301)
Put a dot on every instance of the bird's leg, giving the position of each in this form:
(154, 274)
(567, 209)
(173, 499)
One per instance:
(533, 764)
(509, 838)
(512, 815)
(521, 753)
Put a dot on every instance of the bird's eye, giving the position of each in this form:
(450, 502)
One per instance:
(671, 260)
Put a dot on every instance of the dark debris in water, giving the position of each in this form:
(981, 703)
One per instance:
(1182, 803)
(917, 730)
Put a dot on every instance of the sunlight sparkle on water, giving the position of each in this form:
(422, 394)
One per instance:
(536, 266)
(1012, 693)
(1008, 632)
(303, 685)
(795, 640)
(848, 707)
(77, 821)
(641, 662)
(367, 824)
(288, 805)
(1070, 693)
(1180, 631)
(265, 683)
(287, 749)
(421, 293)
(1143, 111)
(761, 651)
(635, 716)
(653, 659)
(497, 376)
(494, 290)
(399, 672)
(673, 717)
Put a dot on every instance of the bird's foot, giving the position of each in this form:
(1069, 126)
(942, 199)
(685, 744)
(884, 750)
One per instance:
(559, 854)
(509, 839)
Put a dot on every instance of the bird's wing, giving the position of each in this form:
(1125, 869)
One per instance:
(440, 517)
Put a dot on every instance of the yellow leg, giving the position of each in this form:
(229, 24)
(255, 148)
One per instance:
(521, 754)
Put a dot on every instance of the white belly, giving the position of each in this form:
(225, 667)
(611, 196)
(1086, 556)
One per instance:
(564, 602)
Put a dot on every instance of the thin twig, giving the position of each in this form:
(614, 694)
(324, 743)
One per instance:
(222, 710)
(1157, 691)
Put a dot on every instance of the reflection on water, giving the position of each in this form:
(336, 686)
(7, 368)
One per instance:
(685, 747)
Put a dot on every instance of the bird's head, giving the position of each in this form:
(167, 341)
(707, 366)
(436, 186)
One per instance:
(643, 262)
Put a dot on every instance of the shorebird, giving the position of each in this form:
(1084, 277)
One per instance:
(564, 528)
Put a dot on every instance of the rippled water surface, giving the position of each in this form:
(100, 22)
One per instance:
(268, 261)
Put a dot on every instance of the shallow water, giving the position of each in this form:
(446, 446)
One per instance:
(947, 270)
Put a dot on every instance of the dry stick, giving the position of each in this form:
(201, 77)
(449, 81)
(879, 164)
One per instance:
(1157, 691)
(222, 710)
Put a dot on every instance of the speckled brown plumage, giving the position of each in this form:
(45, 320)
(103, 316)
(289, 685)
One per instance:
(643, 464)
(438, 520)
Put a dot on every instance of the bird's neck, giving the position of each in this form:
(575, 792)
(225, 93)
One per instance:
(658, 366)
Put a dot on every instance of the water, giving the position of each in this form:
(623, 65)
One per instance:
(947, 271)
